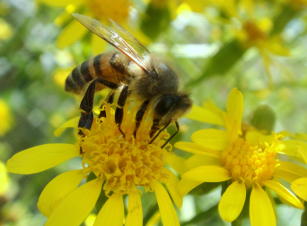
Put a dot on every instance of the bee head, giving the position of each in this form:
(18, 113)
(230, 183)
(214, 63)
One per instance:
(172, 106)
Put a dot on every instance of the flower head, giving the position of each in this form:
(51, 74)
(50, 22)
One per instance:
(122, 162)
(249, 159)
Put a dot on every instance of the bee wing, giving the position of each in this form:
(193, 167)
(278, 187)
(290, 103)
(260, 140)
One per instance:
(117, 37)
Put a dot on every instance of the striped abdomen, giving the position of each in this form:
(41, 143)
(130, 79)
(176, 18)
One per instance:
(100, 66)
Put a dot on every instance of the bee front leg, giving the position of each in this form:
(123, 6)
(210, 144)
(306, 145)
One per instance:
(172, 136)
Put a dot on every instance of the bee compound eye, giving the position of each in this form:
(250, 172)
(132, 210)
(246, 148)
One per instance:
(165, 104)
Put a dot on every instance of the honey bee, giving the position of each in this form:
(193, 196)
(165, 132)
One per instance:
(133, 68)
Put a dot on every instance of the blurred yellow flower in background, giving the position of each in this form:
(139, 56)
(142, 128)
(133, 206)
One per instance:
(119, 165)
(256, 33)
(248, 159)
(99, 9)
(230, 8)
(6, 117)
(5, 30)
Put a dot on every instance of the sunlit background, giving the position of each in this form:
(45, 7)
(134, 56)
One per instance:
(257, 46)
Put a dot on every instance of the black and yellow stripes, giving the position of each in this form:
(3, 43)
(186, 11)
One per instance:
(84, 73)
(108, 66)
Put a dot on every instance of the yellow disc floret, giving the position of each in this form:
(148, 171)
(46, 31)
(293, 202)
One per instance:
(123, 161)
(251, 162)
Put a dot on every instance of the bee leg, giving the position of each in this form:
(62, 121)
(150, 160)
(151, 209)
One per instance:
(119, 112)
(172, 136)
(158, 133)
(87, 103)
(110, 100)
(139, 116)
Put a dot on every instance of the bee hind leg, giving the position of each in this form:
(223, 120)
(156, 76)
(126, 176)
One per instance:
(87, 103)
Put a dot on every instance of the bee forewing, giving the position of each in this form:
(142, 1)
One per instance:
(117, 37)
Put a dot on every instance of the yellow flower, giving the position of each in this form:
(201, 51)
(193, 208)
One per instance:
(243, 156)
(256, 33)
(120, 165)
(99, 9)
(6, 118)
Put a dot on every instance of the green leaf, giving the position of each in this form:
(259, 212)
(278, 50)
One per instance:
(228, 55)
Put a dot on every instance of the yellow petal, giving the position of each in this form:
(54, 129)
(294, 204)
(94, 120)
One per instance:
(167, 211)
(185, 185)
(204, 115)
(232, 201)
(299, 186)
(211, 173)
(98, 45)
(57, 189)
(199, 175)
(234, 113)
(260, 208)
(173, 189)
(210, 138)
(74, 209)
(112, 212)
(199, 160)
(70, 34)
(60, 3)
(296, 148)
(40, 158)
(284, 193)
(196, 149)
(72, 123)
(135, 212)
(211, 106)
(175, 161)
(291, 170)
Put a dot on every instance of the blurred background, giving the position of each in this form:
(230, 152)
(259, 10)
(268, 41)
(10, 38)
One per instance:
(214, 45)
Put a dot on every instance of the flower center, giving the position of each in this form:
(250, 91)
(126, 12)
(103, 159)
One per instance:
(251, 162)
(253, 32)
(109, 9)
(123, 162)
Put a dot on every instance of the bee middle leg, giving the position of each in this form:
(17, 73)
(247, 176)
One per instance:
(119, 112)
(139, 116)
(87, 102)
